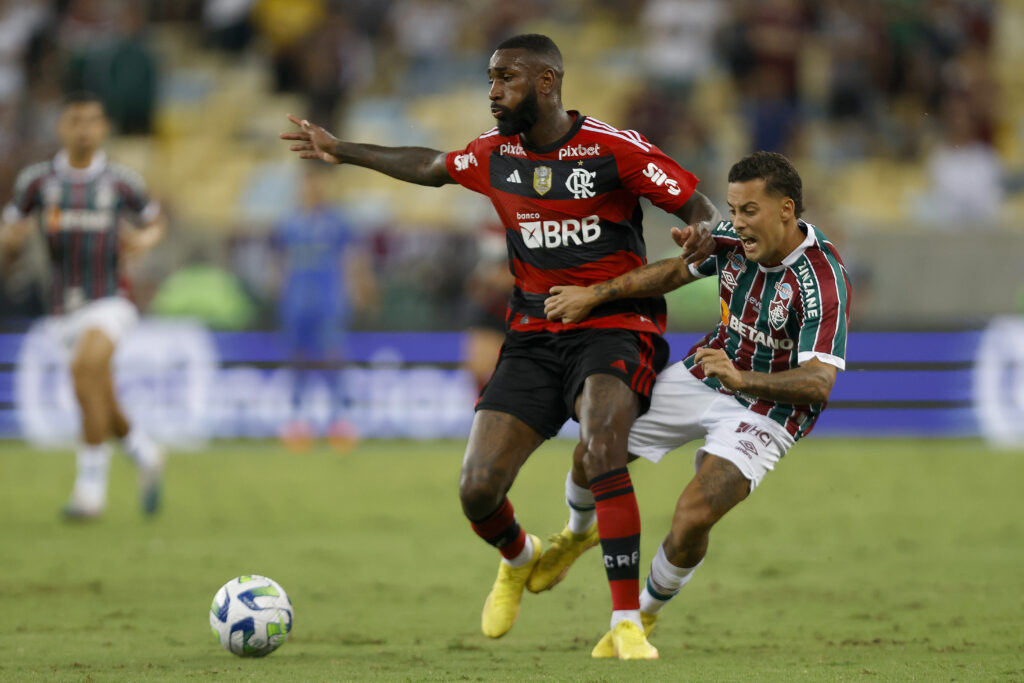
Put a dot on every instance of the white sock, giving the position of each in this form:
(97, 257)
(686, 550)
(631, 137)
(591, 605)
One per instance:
(142, 449)
(524, 555)
(664, 582)
(93, 464)
(582, 512)
(626, 614)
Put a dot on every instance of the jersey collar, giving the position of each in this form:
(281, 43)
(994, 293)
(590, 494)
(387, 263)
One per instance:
(808, 242)
(95, 167)
(573, 129)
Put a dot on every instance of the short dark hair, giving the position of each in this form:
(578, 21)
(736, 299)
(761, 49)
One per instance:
(778, 174)
(82, 97)
(536, 43)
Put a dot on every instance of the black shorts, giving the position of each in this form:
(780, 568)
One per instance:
(540, 374)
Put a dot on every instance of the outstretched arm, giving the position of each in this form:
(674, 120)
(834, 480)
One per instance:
(571, 304)
(810, 383)
(419, 165)
(701, 217)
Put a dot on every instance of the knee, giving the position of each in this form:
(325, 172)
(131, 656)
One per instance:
(480, 494)
(602, 451)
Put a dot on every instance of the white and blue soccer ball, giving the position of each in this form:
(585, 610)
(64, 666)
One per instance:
(251, 615)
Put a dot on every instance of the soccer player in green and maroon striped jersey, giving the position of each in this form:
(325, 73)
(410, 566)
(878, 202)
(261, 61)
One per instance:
(751, 387)
(77, 201)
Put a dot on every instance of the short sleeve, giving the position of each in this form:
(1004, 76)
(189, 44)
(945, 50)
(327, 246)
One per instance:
(725, 239)
(26, 196)
(469, 167)
(648, 172)
(824, 298)
(134, 196)
(705, 268)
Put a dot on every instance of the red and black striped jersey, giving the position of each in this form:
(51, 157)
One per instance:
(774, 319)
(572, 215)
(78, 213)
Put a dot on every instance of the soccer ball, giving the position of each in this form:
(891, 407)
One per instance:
(251, 616)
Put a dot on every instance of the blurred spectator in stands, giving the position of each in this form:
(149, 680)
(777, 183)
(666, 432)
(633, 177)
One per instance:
(678, 42)
(326, 275)
(500, 19)
(110, 55)
(205, 289)
(335, 60)
(964, 172)
(20, 21)
(226, 24)
(285, 25)
(772, 117)
(488, 288)
(425, 33)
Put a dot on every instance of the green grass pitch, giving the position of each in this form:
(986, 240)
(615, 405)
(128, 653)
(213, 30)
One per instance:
(855, 561)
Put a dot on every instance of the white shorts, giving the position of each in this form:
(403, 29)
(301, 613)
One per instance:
(684, 409)
(112, 315)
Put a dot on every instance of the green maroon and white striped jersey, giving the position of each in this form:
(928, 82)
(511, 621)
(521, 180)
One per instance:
(78, 213)
(774, 319)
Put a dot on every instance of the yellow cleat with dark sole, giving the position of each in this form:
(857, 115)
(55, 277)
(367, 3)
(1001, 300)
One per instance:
(555, 562)
(605, 647)
(502, 605)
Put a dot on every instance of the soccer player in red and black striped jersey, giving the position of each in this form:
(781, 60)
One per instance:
(754, 385)
(566, 187)
(77, 201)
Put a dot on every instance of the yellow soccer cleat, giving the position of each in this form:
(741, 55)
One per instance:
(502, 605)
(554, 564)
(606, 647)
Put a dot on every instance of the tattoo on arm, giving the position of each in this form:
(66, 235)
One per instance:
(698, 208)
(650, 280)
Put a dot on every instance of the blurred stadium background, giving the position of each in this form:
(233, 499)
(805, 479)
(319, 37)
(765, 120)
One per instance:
(905, 118)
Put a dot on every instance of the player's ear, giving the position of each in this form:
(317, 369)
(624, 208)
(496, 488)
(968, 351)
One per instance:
(546, 81)
(788, 209)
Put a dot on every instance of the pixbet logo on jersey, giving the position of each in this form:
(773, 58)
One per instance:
(576, 151)
(514, 149)
(659, 178)
(551, 234)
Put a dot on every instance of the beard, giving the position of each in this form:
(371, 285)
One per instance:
(522, 118)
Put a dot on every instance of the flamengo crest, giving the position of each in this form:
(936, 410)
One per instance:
(581, 183)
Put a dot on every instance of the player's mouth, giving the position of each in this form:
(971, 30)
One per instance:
(498, 112)
(748, 243)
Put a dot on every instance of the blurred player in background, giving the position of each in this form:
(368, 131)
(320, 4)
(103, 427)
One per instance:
(326, 274)
(488, 289)
(77, 200)
(754, 385)
(567, 188)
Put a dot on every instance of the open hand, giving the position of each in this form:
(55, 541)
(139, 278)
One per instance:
(314, 142)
